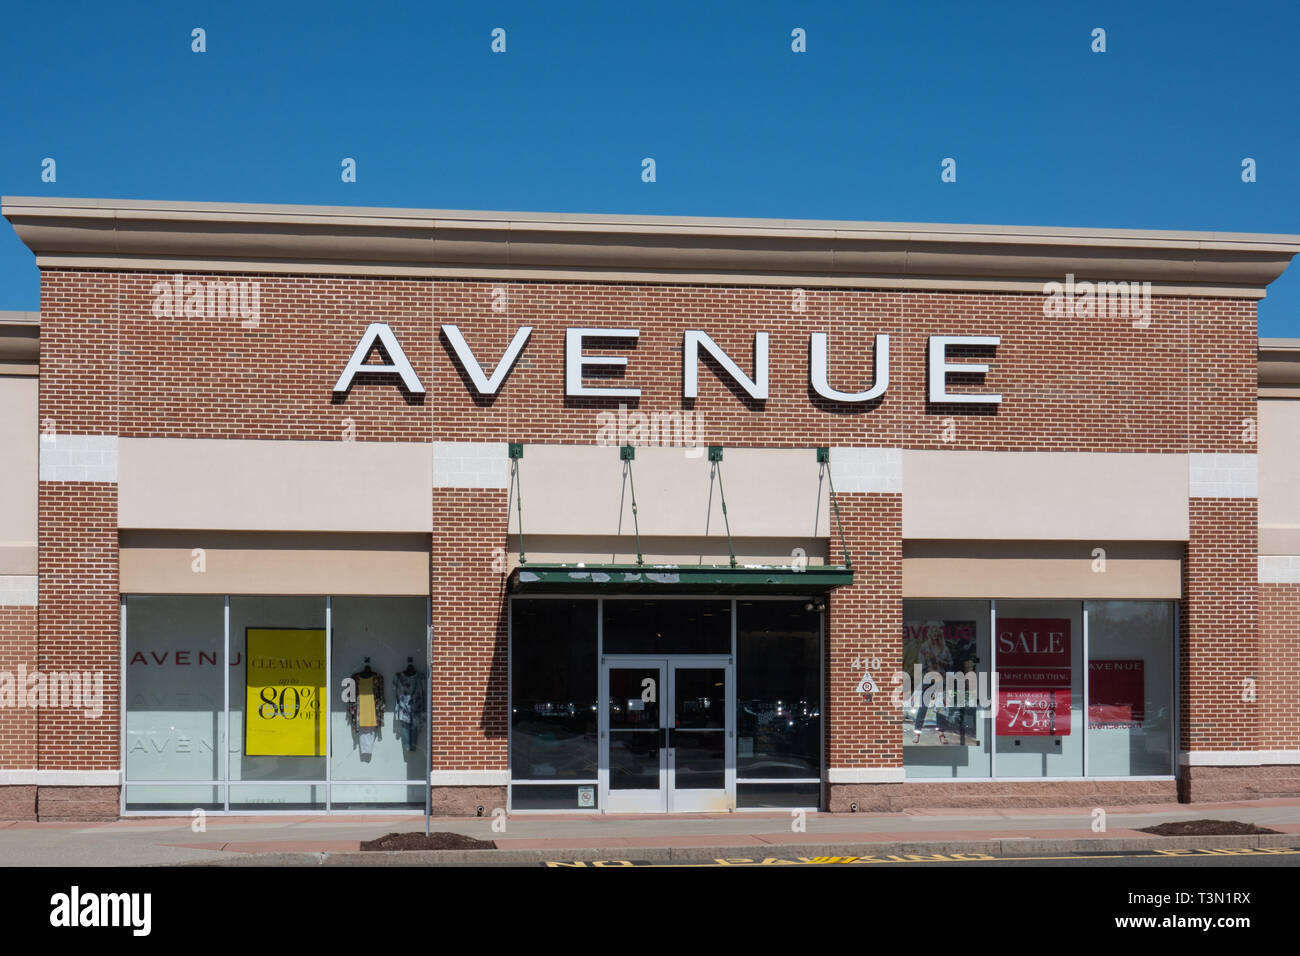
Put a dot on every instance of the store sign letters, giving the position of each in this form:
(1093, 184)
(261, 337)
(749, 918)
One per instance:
(577, 363)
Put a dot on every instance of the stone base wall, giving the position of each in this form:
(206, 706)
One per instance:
(77, 803)
(465, 801)
(17, 803)
(1107, 794)
(1219, 784)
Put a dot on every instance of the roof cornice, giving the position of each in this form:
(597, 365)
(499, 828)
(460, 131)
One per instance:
(248, 237)
(1279, 367)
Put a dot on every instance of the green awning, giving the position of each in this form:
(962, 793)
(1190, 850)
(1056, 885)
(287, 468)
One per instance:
(681, 578)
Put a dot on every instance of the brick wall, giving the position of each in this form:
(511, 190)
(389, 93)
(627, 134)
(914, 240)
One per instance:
(17, 722)
(1279, 677)
(1073, 384)
(110, 366)
(469, 711)
(80, 621)
(865, 621)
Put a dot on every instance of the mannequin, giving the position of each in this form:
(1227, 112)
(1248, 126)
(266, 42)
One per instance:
(366, 714)
(408, 689)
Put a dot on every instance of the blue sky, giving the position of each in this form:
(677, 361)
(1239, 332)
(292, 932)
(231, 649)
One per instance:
(1150, 134)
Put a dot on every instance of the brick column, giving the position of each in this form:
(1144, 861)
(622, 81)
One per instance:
(79, 631)
(1279, 681)
(18, 654)
(469, 709)
(864, 749)
(1219, 661)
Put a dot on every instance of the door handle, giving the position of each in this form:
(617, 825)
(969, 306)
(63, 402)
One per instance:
(664, 738)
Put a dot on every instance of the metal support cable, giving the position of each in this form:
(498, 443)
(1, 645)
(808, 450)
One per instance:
(516, 451)
(826, 467)
(636, 526)
(717, 466)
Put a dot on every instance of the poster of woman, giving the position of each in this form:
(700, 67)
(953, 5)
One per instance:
(943, 647)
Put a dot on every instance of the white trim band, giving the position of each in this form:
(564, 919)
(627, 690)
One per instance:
(78, 458)
(867, 469)
(60, 778)
(459, 464)
(1223, 476)
(18, 590)
(469, 778)
(1279, 569)
(865, 775)
(1238, 758)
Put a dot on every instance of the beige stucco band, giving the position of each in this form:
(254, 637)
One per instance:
(771, 492)
(224, 562)
(1042, 569)
(242, 485)
(1045, 496)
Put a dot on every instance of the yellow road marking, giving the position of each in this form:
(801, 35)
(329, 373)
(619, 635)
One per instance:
(1201, 852)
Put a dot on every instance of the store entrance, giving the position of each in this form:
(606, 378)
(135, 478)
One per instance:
(667, 734)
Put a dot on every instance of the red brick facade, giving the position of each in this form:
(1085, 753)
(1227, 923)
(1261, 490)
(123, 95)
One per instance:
(1183, 383)
(1279, 678)
(17, 723)
(469, 703)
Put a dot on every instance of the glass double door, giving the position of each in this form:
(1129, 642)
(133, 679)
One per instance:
(667, 734)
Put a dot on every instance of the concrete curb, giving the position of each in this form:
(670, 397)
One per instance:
(1011, 847)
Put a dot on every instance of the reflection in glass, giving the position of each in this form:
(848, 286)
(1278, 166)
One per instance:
(634, 697)
(700, 696)
(778, 703)
(553, 685)
(699, 759)
(174, 689)
(1130, 688)
(667, 627)
(634, 760)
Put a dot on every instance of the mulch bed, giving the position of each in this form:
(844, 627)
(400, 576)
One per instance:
(434, 841)
(1206, 828)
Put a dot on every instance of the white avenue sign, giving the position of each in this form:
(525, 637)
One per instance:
(693, 341)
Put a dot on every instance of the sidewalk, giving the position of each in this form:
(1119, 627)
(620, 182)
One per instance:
(300, 838)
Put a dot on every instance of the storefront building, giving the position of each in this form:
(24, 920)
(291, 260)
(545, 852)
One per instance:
(330, 509)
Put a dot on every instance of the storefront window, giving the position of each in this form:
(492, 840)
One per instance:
(374, 749)
(1130, 688)
(1037, 718)
(1039, 724)
(177, 711)
(175, 690)
(680, 626)
(778, 703)
(277, 725)
(553, 700)
(946, 695)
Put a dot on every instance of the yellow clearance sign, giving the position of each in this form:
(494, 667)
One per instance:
(285, 677)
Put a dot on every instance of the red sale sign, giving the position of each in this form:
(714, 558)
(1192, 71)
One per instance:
(1116, 691)
(1033, 677)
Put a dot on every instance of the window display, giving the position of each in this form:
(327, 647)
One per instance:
(1017, 667)
(1039, 660)
(285, 692)
(944, 694)
(1130, 688)
(281, 755)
